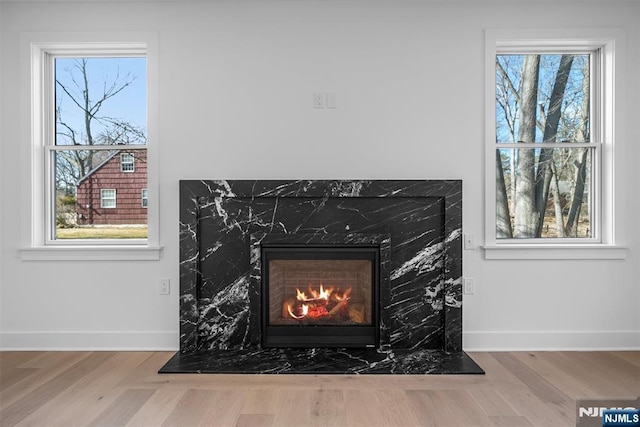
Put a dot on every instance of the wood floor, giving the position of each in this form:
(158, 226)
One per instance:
(123, 388)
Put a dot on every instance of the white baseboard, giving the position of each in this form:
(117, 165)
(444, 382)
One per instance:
(89, 341)
(169, 341)
(551, 341)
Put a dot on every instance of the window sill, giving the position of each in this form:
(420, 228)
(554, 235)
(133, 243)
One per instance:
(515, 251)
(91, 253)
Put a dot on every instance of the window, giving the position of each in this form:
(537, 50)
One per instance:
(89, 123)
(546, 160)
(127, 162)
(108, 198)
(145, 198)
(100, 103)
(549, 140)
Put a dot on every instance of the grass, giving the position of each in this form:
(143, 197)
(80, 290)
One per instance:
(115, 232)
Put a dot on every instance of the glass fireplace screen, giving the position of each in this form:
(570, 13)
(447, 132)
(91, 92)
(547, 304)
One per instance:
(328, 293)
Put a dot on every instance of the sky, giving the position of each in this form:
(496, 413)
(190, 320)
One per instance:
(573, 95)
(130, 104)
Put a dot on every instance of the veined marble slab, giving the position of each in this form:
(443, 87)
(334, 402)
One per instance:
(417, 222)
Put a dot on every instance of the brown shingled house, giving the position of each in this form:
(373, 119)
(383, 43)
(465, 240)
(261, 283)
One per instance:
(115, 192)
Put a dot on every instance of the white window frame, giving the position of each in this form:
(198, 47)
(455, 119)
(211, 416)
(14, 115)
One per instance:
(37, 51)
(131, 160)
(104, 198)
(144, 196)
(608, 241)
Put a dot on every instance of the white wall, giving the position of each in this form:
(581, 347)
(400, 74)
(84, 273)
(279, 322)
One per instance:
(235, 89)
(2, 180)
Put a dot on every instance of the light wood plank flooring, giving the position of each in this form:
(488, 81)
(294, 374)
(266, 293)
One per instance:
(124, 389)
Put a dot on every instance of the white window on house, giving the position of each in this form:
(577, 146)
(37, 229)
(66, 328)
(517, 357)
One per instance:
(127, 162)
(107, 198)
(145, 198)
(549, 141)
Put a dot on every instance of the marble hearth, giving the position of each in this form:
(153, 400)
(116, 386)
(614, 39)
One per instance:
(416, 227)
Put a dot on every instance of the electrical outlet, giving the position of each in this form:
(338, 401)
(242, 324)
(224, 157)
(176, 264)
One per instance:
(469, 286)
(165, 286)
(468, 242)
(318, 100)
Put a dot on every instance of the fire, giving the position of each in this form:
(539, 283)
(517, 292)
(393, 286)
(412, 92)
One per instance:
(345, 296)
(322, 294)
(320, 303)
(305, 311)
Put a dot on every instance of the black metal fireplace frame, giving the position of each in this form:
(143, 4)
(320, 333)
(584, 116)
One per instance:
(311, 336)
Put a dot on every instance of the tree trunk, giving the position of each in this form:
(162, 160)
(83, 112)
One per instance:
(580, 175)
(552, 121)
(557, 203)
(503, 217)
(578, 193)
(511, 119)
(525, 221)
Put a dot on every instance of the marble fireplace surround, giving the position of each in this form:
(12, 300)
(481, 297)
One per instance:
(416, 223)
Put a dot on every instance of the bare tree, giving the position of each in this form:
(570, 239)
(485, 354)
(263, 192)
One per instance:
(503, 221)
(580, 164)
(525, 221)
(96, 128)
(545, 169)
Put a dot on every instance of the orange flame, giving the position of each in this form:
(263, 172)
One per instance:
(317, 300)
(322, 294)
(305, 311)
(345, 296)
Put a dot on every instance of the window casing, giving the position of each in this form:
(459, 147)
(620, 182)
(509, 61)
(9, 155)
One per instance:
(598, 46)
(38, 50)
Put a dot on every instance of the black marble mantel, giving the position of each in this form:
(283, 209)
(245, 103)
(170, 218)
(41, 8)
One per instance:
(418, 225)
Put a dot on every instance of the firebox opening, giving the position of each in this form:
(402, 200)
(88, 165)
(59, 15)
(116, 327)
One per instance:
(320, 296)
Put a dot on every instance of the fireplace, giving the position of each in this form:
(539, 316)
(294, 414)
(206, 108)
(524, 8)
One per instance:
(323, 296)
(321, 276)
